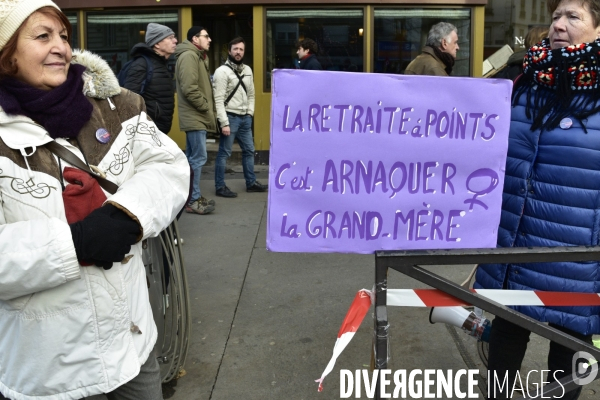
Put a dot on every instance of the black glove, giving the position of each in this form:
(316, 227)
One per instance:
(105, 236)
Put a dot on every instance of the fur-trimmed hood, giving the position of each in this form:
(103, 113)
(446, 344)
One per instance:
(99, 79)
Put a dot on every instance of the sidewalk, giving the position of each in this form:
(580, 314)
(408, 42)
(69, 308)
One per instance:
(264, 324)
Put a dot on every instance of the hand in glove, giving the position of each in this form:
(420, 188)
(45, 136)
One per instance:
(105, 236)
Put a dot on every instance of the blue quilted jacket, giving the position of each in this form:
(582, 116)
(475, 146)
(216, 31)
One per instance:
(551, 198)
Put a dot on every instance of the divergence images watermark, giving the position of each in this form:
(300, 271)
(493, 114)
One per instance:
(440, 384)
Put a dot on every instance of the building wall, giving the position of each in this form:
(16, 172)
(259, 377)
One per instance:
(508, 21)
(239, 13)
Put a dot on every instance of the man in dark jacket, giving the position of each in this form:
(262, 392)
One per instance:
(307, 48)
(158, 92)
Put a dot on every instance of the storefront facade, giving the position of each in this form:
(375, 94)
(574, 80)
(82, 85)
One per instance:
(355, 36)
(507, 22)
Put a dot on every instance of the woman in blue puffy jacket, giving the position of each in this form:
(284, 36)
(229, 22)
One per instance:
(552, 186)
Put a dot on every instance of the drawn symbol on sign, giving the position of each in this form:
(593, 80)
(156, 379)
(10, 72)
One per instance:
(476, 175)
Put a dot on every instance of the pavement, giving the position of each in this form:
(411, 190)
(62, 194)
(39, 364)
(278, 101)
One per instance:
(264, 324)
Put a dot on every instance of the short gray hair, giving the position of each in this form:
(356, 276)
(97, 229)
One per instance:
(439, 31)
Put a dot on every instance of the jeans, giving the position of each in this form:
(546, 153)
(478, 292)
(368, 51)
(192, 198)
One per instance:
(508, 343)
(241, 129)
(146, 385)
(195, 151)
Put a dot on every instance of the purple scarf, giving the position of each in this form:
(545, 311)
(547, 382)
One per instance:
(63, 111)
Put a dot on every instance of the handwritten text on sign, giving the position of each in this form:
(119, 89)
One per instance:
(367, 162)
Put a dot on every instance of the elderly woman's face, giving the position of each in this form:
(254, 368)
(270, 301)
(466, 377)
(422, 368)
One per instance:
(43, 52)
(572, 24)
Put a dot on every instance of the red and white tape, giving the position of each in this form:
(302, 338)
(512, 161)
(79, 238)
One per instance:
(436, 298)
(356, 313)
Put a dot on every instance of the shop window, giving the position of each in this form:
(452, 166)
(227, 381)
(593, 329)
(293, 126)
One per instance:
(223, 23)
(338, 33)
(510, 23)
(400, 35)
(112, 34)
(72, 16)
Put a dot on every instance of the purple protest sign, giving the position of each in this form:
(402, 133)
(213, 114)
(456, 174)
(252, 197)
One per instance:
(365, 162)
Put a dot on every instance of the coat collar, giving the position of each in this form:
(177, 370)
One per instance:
(429, 50)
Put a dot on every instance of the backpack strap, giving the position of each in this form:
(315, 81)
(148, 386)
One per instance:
(240, 82)
(149, 73)
(231, 94)
(239, 77)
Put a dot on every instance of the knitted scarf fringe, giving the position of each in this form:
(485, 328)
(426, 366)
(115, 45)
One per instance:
(560, 83)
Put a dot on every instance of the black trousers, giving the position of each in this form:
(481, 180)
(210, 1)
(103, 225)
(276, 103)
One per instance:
(508, 343)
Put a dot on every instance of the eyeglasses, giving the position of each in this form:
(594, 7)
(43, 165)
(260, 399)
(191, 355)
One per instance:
(206, 36)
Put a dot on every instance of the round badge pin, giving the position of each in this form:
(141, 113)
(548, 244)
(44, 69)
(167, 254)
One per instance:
(566, 123)
(102, 136)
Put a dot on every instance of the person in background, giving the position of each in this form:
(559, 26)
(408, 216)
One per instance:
(551, 189)
(234, 99)
(439, 54)
(158, 92)
(514, 65)
(75, 316)
(197, 113)
(307, 50)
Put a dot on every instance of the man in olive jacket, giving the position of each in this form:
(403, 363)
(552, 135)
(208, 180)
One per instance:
(196, 108)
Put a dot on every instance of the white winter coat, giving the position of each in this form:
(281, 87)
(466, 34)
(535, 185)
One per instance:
(66, 330)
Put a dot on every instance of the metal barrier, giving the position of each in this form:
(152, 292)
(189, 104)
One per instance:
(168, 291)
(408, 262)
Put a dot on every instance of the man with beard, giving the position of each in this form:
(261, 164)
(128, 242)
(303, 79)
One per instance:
(234, 100)
(439, 53)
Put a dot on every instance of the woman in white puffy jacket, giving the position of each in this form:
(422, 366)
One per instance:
(75, 319)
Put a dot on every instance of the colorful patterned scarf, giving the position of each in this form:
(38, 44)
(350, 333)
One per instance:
(560, 83)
